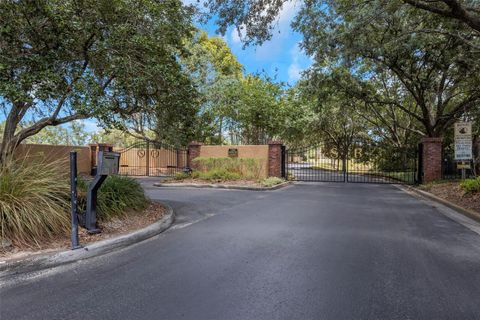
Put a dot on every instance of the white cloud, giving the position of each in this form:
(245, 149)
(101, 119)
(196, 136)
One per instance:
(298, 59)
(280, 34)
(235, 36)
(288, 12)
(294, 72)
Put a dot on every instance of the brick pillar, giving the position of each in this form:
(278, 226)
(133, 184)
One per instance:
(193, 152)
(432, 159)
(94, 149)
(275, 159)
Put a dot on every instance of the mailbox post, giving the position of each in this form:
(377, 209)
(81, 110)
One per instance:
(107, 164)
(73, 200)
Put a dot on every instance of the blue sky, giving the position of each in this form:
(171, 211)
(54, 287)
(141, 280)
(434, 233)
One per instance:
(280, 57)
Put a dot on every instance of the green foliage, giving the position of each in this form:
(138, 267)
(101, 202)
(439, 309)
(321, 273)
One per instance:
(34, 203)
(116, 196)
(66, 60)
(471, 185)
(251, 109)
(209, 59)
(73, 134)
(181, 176)
(435, 74)
(119, 138)
(247, 168)
(271, 181)
(412, 66)
(35, 200)
(218, 175)
(260, 16)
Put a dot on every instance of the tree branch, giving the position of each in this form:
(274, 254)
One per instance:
(454, 10)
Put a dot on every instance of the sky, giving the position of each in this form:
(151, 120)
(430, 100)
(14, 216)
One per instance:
(280, 58)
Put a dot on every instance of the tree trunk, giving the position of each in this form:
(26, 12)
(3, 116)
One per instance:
(9, 143)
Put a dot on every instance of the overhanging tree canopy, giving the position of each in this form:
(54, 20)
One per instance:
(67, 60)
(435, 58)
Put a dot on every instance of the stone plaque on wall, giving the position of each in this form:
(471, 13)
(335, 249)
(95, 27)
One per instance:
(233, 153)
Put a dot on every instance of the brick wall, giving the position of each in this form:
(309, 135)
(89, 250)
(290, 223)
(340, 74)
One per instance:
(193, 152)
(432, 159)
(275, 159)
(50, 153)
(258, 152)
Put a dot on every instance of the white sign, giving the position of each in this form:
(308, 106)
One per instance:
(463, 141)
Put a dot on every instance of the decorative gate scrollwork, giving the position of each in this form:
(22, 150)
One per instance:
(145, 158)
(141, 153)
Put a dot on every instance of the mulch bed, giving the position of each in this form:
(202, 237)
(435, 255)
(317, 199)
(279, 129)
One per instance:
(452, 192)
(131, 221)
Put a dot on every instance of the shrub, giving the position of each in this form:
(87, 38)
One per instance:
(271, 181)
(181, 176)
(116, 196)
(247, 168)
(219, 175)
(34, 201)
(471, 185)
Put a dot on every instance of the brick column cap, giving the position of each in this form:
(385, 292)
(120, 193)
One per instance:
(195, 143)
(275, 142)
(432, 140)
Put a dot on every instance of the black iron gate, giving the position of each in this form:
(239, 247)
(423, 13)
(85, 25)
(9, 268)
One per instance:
(146, 158)
(364, 163)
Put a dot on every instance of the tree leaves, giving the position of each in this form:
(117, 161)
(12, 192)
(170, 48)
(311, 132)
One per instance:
(66, 60)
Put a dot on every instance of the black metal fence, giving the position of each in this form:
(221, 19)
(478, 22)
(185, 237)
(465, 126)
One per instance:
(450, 169)
(315, 163)
(366, 163)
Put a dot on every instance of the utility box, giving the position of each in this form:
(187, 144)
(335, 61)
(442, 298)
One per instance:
(109, 162)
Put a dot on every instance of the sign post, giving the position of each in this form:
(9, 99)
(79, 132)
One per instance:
(73, 200)
(463, 145)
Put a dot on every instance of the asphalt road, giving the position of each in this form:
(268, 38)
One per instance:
(311, 251)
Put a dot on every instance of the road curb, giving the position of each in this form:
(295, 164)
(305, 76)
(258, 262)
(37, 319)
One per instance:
(46, 261)
(219, 186)
(466, 212)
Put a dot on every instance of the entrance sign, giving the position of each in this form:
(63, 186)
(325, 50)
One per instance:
(233, 153)
(463, 141)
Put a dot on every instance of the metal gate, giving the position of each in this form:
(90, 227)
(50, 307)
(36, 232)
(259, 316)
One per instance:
(364, 163)
(145, 158)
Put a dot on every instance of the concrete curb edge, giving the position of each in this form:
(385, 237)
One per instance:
(46, 261)
(465, 212)
(219, 186)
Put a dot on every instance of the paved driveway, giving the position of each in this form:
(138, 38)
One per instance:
(311, 251)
